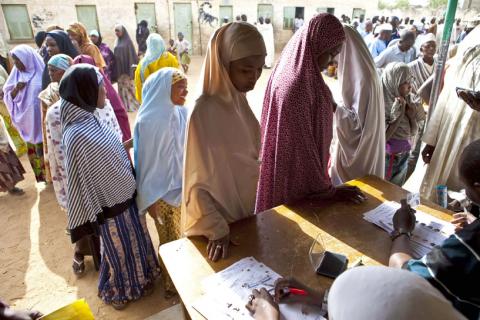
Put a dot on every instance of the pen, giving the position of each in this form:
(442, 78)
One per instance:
(294, 291)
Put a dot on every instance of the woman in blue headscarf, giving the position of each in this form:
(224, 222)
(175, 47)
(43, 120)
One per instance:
(158, 150)
(156, 58)
(56, 66)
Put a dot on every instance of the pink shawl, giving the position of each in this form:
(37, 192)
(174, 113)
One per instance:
(297, 119)
(113, 97)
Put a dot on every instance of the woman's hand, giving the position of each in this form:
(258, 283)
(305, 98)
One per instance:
(460, 220)
(283, 295)
(401, 100)
(427, 153)
(410, 111)
(473, 100)
(262, 306)
(218, 248)
(20, 86)
(349, 193)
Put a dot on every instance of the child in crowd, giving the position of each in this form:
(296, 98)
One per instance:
(172, 47)
(402, 117)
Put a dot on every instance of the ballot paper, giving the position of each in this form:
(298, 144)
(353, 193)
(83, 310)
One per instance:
(227, 292)
(429, 231)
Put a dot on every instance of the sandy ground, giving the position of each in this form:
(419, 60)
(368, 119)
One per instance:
(36, 254)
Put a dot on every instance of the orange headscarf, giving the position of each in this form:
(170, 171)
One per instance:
(86, 45)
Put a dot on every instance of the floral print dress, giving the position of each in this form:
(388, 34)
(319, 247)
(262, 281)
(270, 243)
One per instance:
(56, 152)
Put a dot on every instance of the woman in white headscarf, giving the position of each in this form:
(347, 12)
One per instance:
(359, 120)
(391, 294)
(454, 124)
(158, 143)
(223, 138)
(364, 293)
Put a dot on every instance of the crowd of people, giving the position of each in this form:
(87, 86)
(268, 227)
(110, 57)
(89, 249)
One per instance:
(197, 172)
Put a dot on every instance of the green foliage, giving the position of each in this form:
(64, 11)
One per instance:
(435, 4)
(398, 4)
(382, 5)
(403, 4)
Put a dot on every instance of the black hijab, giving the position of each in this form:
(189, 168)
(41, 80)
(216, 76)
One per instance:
(65, 46)
(125, 55)
(79, 86)
(40, 38)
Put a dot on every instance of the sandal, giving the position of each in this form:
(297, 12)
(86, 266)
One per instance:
(169, 294)
(148, 290)
(118, 305)
(78, 267)
(16, 191)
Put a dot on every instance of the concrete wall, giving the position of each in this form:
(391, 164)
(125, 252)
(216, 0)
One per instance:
(110, 12)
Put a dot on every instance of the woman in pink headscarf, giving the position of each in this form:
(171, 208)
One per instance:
(113, 97)
(297, 120)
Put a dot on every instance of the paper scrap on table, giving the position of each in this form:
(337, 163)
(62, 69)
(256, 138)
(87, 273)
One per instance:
(429, 231)
(227, 292)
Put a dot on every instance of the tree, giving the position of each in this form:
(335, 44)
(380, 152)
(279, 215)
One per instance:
(435, 4)
(382, 5)
(404, 4)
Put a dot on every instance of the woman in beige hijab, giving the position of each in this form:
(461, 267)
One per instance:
(360, 118)
(223, 139)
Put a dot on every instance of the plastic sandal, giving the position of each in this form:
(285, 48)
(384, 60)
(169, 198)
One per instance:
(119, 305)
(78, 267)
(16, 191)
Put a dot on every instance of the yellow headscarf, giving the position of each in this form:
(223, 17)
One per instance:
(79, 29)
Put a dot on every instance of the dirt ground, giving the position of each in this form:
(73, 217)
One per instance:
(36, 254)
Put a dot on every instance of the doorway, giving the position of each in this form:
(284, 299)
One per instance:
(226, 12)
(183, 20)
(146, 11)
(265, 11)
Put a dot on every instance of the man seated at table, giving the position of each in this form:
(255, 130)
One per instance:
(452, 269)
(454, 266)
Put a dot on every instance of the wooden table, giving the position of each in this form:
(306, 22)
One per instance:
(281, 238)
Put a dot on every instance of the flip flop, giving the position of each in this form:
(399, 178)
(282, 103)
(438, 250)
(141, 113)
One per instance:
(16, 191)
(119, 305)
(78, 267)
(148, 290)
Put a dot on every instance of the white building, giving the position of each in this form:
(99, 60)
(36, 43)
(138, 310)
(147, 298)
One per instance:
(21, 19)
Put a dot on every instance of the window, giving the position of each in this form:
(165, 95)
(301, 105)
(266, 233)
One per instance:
(226, 12)
(288, 18)
(18, 21)
(289, 15)
(146, 11)
(358, 13)
(88, 16)
(326, 10)
(265, 10)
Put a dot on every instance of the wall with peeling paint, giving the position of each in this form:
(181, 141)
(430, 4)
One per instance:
(110, 12)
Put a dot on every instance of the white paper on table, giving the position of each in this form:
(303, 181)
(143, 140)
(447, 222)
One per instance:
(228, 291)
(429, 231)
